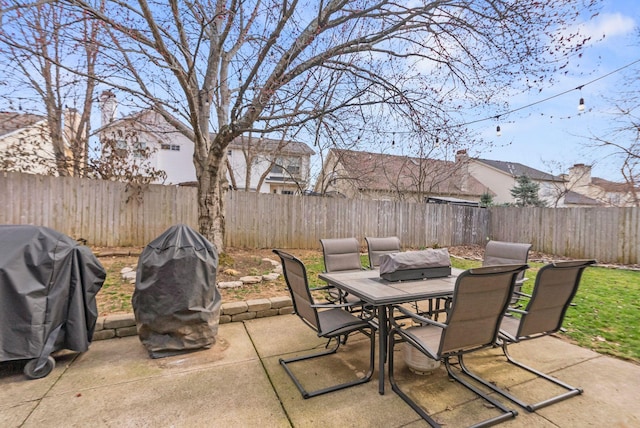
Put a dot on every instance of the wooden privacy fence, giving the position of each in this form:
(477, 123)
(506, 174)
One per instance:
(281, 221)
(94, 210)
(99, 212)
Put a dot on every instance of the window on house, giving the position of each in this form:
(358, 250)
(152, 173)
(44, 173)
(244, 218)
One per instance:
(287, 192)
(229, 152)
(121, 148)
(139, 149)
(175, 147)
(294, 165)
(165, 146)
(289, 165)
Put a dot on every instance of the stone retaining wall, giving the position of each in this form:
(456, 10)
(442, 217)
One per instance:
(122, 325)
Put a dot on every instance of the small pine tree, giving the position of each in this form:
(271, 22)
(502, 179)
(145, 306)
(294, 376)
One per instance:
(486, 200)
(525, 192)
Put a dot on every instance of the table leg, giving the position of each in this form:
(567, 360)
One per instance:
(383, 344)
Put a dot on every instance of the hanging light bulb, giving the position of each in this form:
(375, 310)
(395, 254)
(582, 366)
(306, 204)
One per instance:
(581, 104)
(498, 131)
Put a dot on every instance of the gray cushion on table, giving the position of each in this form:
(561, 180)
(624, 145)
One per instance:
(429, 258)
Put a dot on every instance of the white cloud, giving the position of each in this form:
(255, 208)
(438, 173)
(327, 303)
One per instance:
(609, 25)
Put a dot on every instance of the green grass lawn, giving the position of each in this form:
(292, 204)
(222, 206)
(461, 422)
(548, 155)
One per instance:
(606, 315)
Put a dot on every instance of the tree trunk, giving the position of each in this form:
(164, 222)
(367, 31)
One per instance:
(211, 209)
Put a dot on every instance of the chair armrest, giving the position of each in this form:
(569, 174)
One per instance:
(520, 293)
(324, 287)
(504, 336)
(417, 317)
(335, 305)
(517, 311)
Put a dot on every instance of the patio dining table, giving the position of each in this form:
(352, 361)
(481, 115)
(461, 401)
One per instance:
(369, 287)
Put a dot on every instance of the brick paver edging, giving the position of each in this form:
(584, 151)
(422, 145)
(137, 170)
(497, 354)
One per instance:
(121, 325)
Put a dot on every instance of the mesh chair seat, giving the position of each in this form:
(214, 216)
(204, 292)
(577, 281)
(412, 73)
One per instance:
(377, 247)
(331, 322)
(480, 298)
(338, 322)
(340, 255)
(556, 285)
(498, 253)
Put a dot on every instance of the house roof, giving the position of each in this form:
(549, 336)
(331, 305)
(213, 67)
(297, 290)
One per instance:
(516, 169)
(271, 145)
(574, 198)
(12, 121)
(262, 144)
(610, 186)
(383, 172)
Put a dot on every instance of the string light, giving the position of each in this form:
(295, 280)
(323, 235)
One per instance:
(553, 96)
(581, 105)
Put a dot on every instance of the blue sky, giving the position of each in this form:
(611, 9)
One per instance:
(552, 135)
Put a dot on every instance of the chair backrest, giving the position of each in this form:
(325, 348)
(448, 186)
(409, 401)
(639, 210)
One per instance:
(556, 285)
(480, 299)
(377, 247)
(341, 254)
(506, 253)
(295, 275)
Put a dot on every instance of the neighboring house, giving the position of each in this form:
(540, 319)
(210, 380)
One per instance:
(269, 166)
(25, 142)
(169, 150)
(376, 176)
(499, 177)
(602, 192)
(266, 165)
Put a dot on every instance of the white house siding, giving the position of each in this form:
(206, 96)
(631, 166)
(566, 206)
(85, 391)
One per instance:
(499, 182)
(178, 164)
(32, 139)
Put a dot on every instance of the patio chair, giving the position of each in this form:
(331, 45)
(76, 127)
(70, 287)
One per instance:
(377, 247)
(341, 254)
(331, 322)
(556, 285)
(506, 253)
(480, 299)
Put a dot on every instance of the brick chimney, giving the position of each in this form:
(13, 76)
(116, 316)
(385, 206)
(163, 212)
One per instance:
(462, 156)
(462, 165)
(108, 107)
(579, 176)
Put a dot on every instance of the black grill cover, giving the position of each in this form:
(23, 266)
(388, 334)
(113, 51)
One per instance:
(48, 284)
(176, 302)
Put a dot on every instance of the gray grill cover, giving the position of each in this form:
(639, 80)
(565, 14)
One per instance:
(48, 284)
(416, 262)
(176, 302)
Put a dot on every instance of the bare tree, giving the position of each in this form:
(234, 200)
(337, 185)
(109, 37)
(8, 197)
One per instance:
(623, 144)
(51, 51)
(124, 158)
(236, 65)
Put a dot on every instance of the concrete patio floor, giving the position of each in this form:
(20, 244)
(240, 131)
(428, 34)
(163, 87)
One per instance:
(239, 383)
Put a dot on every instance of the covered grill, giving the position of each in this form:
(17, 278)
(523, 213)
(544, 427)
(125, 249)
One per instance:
(176, 302)
(48, 284)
